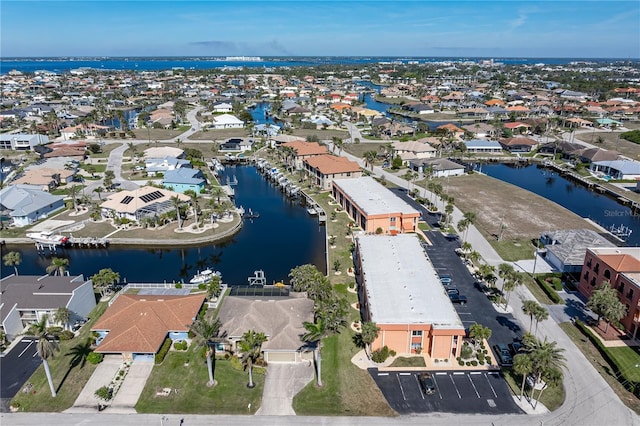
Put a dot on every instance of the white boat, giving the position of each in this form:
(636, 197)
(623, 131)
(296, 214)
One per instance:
(48, 238)
(312, 211)
(204, 276)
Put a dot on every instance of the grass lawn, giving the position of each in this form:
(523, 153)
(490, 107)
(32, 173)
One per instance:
(593, 356)
(512, 250)
(105, 150)
(230, 396)
(67, 378)
(552, 397)
(358, 149)
(414, 361)
(537, 292)
(424, 226)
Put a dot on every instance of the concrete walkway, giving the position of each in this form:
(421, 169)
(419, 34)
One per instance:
(102, 376)
(282, 383)
(131, 389)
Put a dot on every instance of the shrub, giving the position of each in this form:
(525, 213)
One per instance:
(392, 352)
(202, 286)
(468, 363)
(95, 358)
(163, 351)
(488, 360)
(460, 362)
(380, 355)
(549, 291)
(178, 285)
(180, 345)
(104, 393)
(466, 351)
(379, 231)
(66, 335)
(474, 363)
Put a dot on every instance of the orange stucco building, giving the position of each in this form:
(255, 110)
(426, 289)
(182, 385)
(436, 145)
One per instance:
(373, 207)
(620, 266)
(323, 169)
(400, 290)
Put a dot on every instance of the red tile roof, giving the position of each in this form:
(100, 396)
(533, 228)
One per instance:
(621, 262)
(330, 164)
(303, 148)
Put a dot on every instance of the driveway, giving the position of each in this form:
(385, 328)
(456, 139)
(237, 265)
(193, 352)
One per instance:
(131, 389)
(102, 376)
(282, 383)
(16, 367)
(482, 392)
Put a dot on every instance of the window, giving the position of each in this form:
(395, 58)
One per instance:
(630, 294)
(621, 287)
(607, 274)
(586, 276)
(416, 332)
(596, 269)
(593, 281)
(589, 263)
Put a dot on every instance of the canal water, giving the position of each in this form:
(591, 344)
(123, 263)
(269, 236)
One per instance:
(283, 237)
(547, 183)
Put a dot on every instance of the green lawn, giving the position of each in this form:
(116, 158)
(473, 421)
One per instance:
(511, 251)
(537, 292)
(67, 378)
(424, 226)
(230, 396)
(552, 397)
(414, 361)
(627, 358)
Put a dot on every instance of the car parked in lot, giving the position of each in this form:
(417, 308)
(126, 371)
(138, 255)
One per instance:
(445, 279)
(457, 298)
(515, 348)
(503, 355)
(427, 383)
(453, 290)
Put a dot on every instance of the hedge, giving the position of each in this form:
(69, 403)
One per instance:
(95, 358)
(550, 292)
(163, 351)
(633, 387)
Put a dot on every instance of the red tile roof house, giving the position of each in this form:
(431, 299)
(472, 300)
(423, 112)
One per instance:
(304, 150)
(373, 207)
(137, 325)
(518, 144)
(322, 169)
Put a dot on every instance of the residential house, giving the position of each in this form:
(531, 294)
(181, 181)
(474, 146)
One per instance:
(184, 179)
(22, 142)
(564, 249)
(400, 291)
(26, 204)
(480, 130)
(591, 155)
(617, 169)
(145, 202)
(153, 166)
(26, 299)
(137, 325)
(226, 121)
(619, 267)
(413, 150)
(518, 144)
(323, 169)
(481, 146)
(303, 150)
(222, 107)
(280, 319)
(237, 145)
(46, 178)
(373, 207)
(437, 167)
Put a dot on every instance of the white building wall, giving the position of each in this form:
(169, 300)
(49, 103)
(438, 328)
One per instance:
(82, 301)
(12, 324)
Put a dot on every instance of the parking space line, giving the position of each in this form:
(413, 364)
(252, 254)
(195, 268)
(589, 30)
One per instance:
(458, 373)
(419, 387)
(454, 385)
(493, 373)
(401, 389)
(492, 389)
(436, 383)
(383, 374)
(474, 386)
(464, 313)
(442, 374)
(404, 374)
(24, 350)
(475, 372)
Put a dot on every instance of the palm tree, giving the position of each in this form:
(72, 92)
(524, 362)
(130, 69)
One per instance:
(466, 247)
(540, 314)
(462, 226)
(551, 377)
(316, 331)
(58, 266)
(369, 157)
(13, 258)
(46, 348)
(208, 335)
(176, 203)
(505, 270)
(368, 335)
(99, 190)
(79, 353)
(470, 217)
(73, 193)
(514, 280)
(529, 307)
(104, 279)
(62, 316)
(545, 356)
(251, 347)
(523, 365)
(194, 203)
(217, 192)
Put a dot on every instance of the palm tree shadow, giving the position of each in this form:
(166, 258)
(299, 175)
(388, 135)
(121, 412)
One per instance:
(79, 355)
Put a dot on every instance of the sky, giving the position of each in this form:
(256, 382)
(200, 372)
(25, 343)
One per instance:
(507, 28)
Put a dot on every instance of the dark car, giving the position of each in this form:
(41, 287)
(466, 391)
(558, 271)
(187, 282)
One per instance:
(458, 298)
(515, 348)
(427, 383)
(503, 355)
(451, 237)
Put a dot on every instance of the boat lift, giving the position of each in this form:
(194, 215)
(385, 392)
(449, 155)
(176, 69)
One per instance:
(258, 278)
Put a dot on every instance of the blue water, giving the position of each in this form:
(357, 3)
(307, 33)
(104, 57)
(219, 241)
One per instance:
(62, 64)
(283, 237)
(258, 114)
(573, 196)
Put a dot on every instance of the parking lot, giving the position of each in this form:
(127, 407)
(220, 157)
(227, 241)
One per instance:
(15, 368)
(483, 392)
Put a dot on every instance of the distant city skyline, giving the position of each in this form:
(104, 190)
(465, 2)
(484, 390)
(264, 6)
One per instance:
(552, 29)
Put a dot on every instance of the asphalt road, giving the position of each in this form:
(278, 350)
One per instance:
(480, 392)
(15, 368)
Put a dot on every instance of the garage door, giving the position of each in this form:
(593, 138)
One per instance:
(280, 356)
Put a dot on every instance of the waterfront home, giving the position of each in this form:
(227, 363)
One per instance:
(323, 169)
(26, 204)
(564, 249)
(280, 319)
(518, 144)
(616, 169)
(26, 299)
(619, 267)
(450, 129)
(226, 121)
(303, 150)
(373, 207)
(437, 167)
(480, 130)
(222, 107)
(236, 145)
(137, 325)
(400, 291)
(145, 202)
(482, 146)
(413, 150)
(183, 179)
(22, 141)
(590, 155)
(46, 178)
(154, 166)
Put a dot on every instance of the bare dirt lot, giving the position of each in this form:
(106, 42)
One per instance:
(525, 214)
(613, 141)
